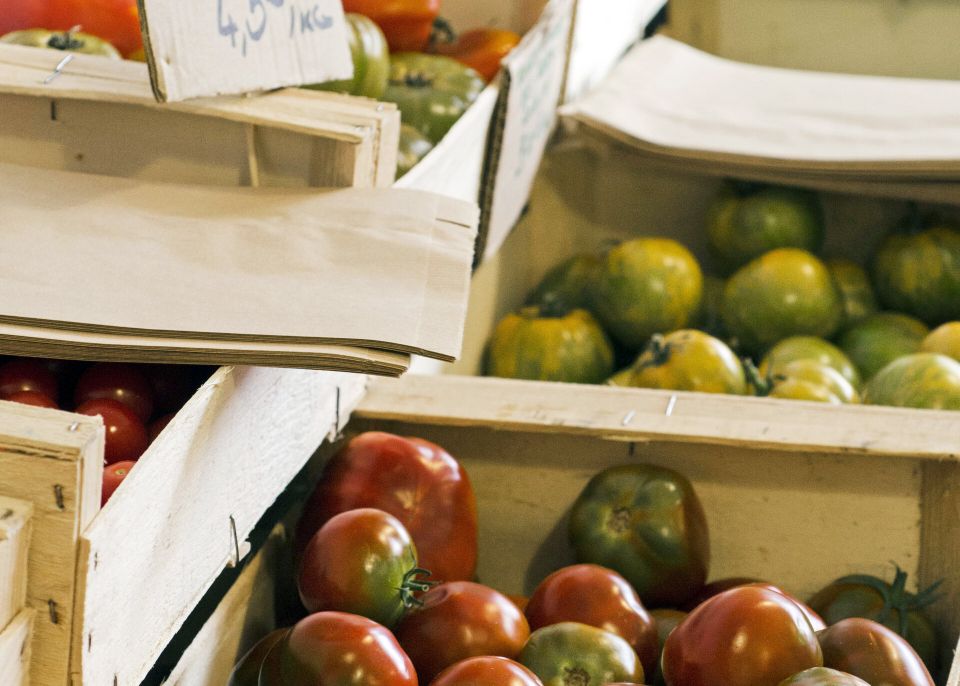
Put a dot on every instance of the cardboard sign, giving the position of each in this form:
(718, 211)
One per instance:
(201, 48)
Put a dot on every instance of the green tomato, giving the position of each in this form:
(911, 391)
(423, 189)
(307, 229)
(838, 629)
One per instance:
(62, 40)
(570, 282)
(689, 360)
(922, 380)
(810, 348)
(881, 338)
(647, 523)
(859, 301)
(574, 653)
(431, 91)
(414, 146)
(371, 60)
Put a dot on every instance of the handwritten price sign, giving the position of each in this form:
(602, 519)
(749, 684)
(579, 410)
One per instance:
(212, 47)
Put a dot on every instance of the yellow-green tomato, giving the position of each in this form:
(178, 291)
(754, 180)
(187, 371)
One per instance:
(816, 373)
(859, 301)
(881, 338)
(800, 389)
(689, 360)
(922, 380)
(371, 60)
(945, 339)
(810, 348)
(574, 653)
(62, 40)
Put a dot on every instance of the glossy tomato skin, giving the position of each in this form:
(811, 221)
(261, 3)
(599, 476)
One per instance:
(575, 653)
(922, 380)
(247, 670)
(35, 398)
(458, 620)
(872, 652)
(113, 476)
(876, 341)
(339, 649)
(823, 676)
(597, 596)
(26, 374)
(721, 585)
(810, 348)
(689, 360)
(126, 436)
(945, 340)
(647, 523)
(359, 562)
(125, 383)
(747, 636)
(407, 24)
(417, 482)
(488, 670)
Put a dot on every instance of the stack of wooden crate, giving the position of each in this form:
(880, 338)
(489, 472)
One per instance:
(16, 619)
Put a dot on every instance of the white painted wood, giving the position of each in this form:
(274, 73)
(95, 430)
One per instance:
(15, 650)
(15, 530)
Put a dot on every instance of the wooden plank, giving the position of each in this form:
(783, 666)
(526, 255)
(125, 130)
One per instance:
(223, 460)
(15, 650)
(15, 530)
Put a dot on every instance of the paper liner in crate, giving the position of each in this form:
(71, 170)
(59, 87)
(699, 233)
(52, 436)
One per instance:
(684, 108)
(354, 280)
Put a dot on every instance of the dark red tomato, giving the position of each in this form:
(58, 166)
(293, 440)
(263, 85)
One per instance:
(872, 652)
(720, 585)
(363, 562)
(35, 398)
(417, 482)
(457, 620)
(488, 670)
(715, 587)
(816, 621)
(247, 670)
(124, 383)
(747, 636)
(521, 601)
(113, 476)
(597, 596)
(172, 385)
(339, 649)
(126, 436)
(158, 425)
(26, 374)
(822, 676)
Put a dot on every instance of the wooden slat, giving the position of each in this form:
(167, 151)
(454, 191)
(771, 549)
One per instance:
(15, 529)
(15, 650)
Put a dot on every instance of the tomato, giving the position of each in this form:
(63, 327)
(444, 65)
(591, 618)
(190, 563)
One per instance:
(922, 380)
(431, 91)
(568, 283)
(414, 146)
(488, 670)
(823, 676)
(247, 670)
(810, 348)
(115, 21)
(458, 620)
(945, 339)
(872, 652)
(880, 339)
(363, 562)
(371, 60)
(594, 595)
(339, 649)
(647, 286)
(862, 595)
(785, 292)
(622, 378)
(481, 49)
(521, 601)
(851, 280)
(407, 24)
(689, 360)
(667, 620)
(647, 523)
(125, 383)
(747, 636)
(172, 384)
(126, 437)
(158, 425)
(113, 476)
(67, 40)
(747, 220)
(550, 344)
(35, 398)
(26, 374)
(417, 482)
(575, 653)
(721, 585)
(806, 379)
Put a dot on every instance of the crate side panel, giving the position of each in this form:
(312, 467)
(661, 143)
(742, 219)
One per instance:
(15, 650)
(15, 532)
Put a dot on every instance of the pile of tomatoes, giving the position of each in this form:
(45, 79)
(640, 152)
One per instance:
(387, 551)
(135, 401)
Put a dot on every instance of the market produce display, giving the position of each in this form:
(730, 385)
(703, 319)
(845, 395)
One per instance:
(776, 318)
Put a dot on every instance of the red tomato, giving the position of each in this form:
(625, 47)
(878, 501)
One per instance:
(488, 670)
(720, 585)
(26, 374)
(457, 620)
(873, 652)
(336, 648)
(126, 436)
(521, 601)
(113, 476)
(35, 398)
(417, 482)
(597, 596)
(172, 384)
(158, 425)
(481, 49)
(747, 636)
(116, 21)
(122, 382)
(407, 24)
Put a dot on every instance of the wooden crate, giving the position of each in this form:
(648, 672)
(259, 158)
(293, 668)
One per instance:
(112, 586)
(15, 642)
(15, 530)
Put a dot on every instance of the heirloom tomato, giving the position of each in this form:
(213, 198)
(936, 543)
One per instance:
(647, 523)
(126, 436)
(488, 670)
(114, 21)
(881, 338)
(823, 676)
(371, 60)
(417, 482)
(720, 585)
(597, 596)
(689, 360)
(407, 24)
(481, 49)
(71, 41)
(810, 348)
(805, 380)
(922, 380)
(872, 652)
(247, 670)
(27, 374)
(851, 280)
(125, 383)
(945, 339)
(747, 636)
(570, 282)
(574, 653)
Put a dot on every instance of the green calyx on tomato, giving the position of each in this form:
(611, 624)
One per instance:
(689, 360)
(431, 91)
(371, 60)
(573, 653)
(645, 522)
(802, 379)
(71, 41)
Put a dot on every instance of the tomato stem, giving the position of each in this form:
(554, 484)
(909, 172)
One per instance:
(442, 32)
(895, 596)
(411, 585)
(761, 386)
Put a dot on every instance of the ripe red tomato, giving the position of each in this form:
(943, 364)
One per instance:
(417, 482)
(113, 476)
(597, 596)
(121, 382)
(720, 585)
(873, 652)
(26, 374)
(126, 436)
(407, 24)
(339, 649)
(481, 49)
(158, 425)
(116, 21)
(457, 620)
(521, 601)
(35, 398)
(747, 636)
(488, 670)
